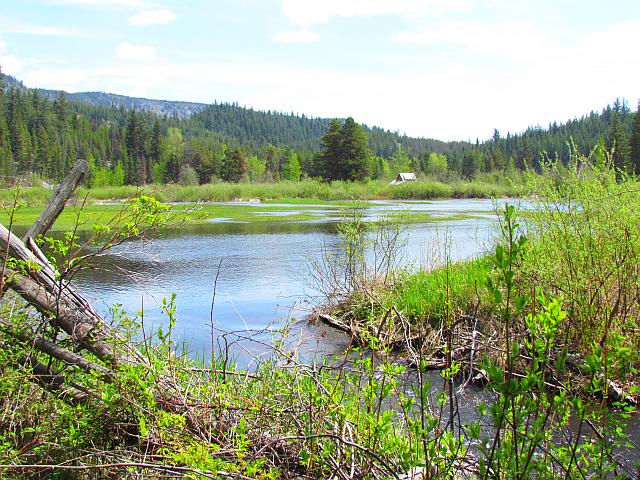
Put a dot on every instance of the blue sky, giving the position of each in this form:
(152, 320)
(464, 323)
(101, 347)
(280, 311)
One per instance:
(447, 69)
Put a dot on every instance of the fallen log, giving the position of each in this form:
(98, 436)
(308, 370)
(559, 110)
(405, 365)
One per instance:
(54, 350)
(334, 323)
(50, 379)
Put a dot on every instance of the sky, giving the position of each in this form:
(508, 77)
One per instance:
(445, 69)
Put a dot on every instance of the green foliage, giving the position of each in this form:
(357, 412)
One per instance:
(234, 167)
(618, 143)
(421, 296)
(344, 155)
(256, 168)
(187, 176)
(437, 165)
(635, 142)
(471, 163)
(291, 170)
(585, 244)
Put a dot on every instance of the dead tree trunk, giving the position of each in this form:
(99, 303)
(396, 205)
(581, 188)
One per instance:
(33, 278)
(55, 206)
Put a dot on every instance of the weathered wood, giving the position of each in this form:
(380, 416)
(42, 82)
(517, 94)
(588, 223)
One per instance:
(334, 323)
(51, 348)
(68, 309)
(50, 380)
(89, 332)
(55, 206)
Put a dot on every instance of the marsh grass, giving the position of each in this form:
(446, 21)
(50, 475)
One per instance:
(298, 192)
(420, 296)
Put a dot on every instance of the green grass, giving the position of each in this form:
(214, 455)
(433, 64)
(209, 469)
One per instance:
(307, 191)
(84, 218)
(421, 296)
(71, 217)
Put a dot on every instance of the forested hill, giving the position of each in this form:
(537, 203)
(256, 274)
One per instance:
(44, 135)
(256, 128)
(159, 107)
(247, 126)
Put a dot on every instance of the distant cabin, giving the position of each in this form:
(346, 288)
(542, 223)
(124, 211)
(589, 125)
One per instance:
(402, 178)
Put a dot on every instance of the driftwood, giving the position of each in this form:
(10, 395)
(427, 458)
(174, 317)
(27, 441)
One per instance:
(334, 323)
(45, 345)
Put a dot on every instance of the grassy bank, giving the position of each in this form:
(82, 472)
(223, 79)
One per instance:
(291, 191)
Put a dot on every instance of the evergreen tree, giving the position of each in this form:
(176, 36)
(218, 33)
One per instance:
(154, 149)
(470, 162)
(618, 143)
(329, 159)
(355, 153)
(345, 155)
(234, 168)
(635, 142)
(131, 143)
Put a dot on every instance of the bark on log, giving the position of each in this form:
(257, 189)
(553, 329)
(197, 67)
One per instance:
(334, 323)
(62, 303)
(89, 332)
(51, 380)
(55, 206)
(45, 345)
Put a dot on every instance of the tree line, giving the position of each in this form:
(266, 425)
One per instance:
(44, 136)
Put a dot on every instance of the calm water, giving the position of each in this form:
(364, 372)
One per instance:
(262, 269)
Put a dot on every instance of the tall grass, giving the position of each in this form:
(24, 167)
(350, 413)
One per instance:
(421, 296)
(585, 247)
(309, 188)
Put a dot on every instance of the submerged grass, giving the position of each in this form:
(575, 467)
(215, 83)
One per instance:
(84, 218)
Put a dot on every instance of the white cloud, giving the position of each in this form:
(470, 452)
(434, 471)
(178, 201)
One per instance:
(103, 3)
(308, 12)
(153, 17)
(428, 94)
(68, 79)
(299, 36)
(3, 44)
(10, 64)
(130, 51)
(9, 25)
(515, 40)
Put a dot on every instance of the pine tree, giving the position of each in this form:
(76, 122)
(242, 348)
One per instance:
(470, 162)
(154, 142)
(345, 155)
(619, 144)
(329, 159)
(635, 142)
(234, 168)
